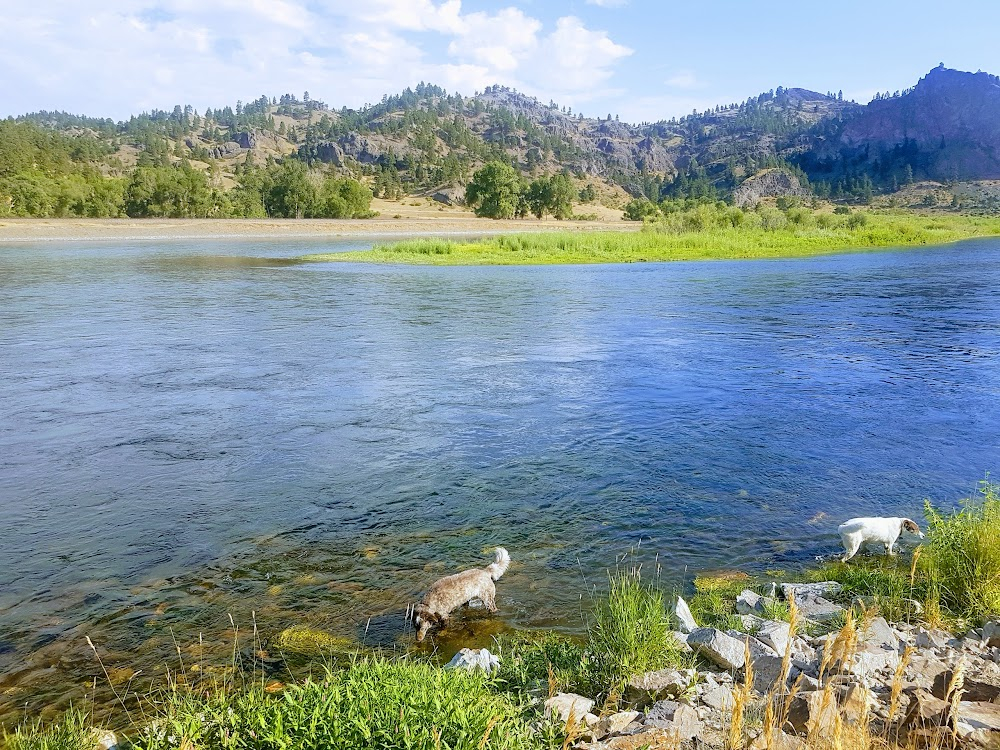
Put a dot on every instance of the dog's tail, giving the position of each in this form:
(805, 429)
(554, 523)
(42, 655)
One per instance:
(499, 565)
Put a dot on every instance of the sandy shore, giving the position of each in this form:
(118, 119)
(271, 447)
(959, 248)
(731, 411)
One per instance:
(395, 220)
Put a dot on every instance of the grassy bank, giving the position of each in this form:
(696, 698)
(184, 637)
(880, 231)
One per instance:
(706, 232)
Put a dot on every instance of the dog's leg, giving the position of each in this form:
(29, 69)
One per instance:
(490, 598)
(851, 546)
(888, 549)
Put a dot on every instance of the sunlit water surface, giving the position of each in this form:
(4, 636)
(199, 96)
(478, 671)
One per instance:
(191, 430)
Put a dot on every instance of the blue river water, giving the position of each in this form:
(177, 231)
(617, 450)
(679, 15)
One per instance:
(192, 429)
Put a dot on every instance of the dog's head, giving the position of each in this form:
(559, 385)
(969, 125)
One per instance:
(912, 527)
(424, 620)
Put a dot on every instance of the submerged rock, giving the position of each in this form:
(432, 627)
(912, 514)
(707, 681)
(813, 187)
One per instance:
(306, 641)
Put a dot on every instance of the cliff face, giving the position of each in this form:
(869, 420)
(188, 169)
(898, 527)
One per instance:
(951, 117)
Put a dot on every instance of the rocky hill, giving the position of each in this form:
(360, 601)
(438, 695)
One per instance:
(426, 140)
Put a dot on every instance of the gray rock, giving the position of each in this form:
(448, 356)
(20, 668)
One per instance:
(471, 659)
(685, 620)
(823, 588)
(662, 683)
(877, 649)
(775, 634)
(749, 603)
(930, 639)
(718, 647)
(720, 698)
(991, 634)
(677, 718)
(814, 713)
(766, 665)
(979, 717)
(614, 724)
(815, 607)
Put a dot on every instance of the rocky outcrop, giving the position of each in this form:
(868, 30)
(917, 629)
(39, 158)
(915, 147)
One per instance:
(772, 183)
(950, 121)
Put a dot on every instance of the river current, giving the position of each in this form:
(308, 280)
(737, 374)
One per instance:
(194, 429)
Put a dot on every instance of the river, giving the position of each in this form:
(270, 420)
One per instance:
(194, 429)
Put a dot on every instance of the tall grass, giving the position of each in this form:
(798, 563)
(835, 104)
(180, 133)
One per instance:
(963, 560)
(703, 233)
(631, 632)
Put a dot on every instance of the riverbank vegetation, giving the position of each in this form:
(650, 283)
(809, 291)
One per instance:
(379, 699)
(695, 231)
(951, 580)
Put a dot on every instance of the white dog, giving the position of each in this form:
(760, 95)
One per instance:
(451, 592)
(885, 531)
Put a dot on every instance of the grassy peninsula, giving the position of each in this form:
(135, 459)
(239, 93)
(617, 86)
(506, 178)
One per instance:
(704, 232)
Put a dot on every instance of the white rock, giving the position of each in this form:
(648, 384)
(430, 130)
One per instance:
(568, 706)
(685, 620)
(472, 659)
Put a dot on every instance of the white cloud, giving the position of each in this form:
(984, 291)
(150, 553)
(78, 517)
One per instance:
(119, 57)
(608, 3)
(684, 79)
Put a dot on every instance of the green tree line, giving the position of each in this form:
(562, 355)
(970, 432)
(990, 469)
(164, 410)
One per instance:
(45, 173)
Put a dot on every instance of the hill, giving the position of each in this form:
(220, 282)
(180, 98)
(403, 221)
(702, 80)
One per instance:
(425, 141)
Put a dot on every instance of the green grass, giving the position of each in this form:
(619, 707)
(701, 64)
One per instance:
(73, 731)
(713, 238)
(375, 703)
(631, 632)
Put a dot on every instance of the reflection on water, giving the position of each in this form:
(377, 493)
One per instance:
(193, 430)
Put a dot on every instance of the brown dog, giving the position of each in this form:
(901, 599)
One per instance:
(451, 592)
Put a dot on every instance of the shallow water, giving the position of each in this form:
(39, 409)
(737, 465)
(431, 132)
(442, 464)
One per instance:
(192, 429)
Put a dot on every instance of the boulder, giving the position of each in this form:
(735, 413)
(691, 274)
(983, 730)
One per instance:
(718, 647)
(614, 724)
(778, 741)
(813, 713)
(751, 603)
(930, 639)
(720, 698)
(685, 620)
(925, 710)
(774, 634)
(766, 665)
(771, 183)
(823, 588)
(858, 703)
(978, 715)
(663, 683)
(991, 634)
(568, 707)
(471, 659)
(877, 649)
(816, 608)
(679, 719)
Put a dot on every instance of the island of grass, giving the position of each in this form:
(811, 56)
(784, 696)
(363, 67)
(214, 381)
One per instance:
(705, 232)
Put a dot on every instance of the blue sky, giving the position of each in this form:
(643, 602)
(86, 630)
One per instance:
(640, 59)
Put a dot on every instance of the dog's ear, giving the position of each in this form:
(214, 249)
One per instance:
(911, 526)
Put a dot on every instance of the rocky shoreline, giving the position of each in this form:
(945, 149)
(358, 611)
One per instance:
(913, 686)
